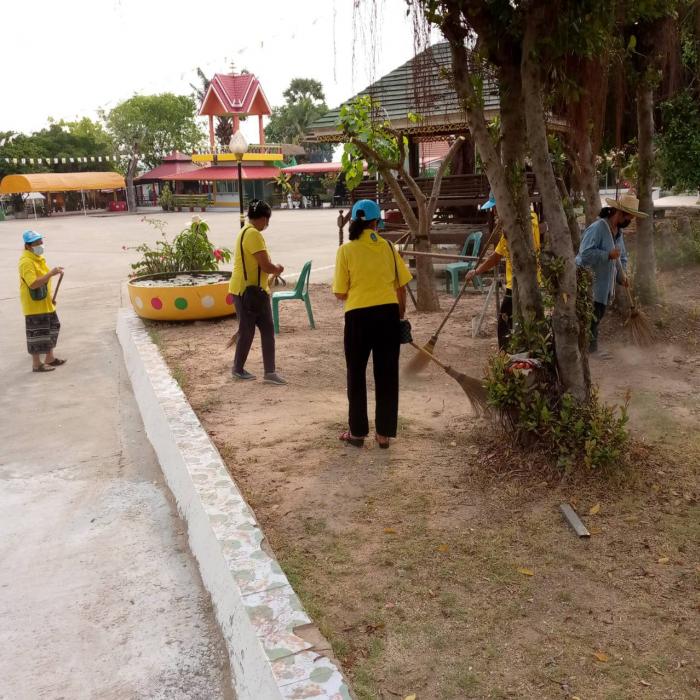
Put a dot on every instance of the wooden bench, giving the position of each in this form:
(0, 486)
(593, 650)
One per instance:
(190, 201)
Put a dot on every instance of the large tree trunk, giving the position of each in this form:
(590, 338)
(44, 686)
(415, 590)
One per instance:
(570, 361)
(589, 179)
(645, 269)
(130, 188)
(513, 159)
(518, 231)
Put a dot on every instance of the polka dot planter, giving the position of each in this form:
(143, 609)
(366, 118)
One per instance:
(168, 302)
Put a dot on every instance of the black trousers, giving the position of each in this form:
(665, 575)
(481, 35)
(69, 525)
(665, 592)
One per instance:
(373, 330)
(247, 323)
(505, 319)
(598, 313)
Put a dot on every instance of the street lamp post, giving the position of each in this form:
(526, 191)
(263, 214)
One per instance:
(238, 146)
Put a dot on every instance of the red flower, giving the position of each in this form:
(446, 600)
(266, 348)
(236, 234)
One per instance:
(218, 254)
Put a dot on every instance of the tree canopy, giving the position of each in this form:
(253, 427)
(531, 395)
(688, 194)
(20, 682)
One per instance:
(149, 127)
(305, 102)
(62, 140)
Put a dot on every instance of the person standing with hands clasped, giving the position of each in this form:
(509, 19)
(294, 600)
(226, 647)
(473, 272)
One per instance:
(371, 278)
(251, 294)
(40, 316)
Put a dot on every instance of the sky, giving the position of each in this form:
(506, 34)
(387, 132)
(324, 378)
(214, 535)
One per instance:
(75, 57)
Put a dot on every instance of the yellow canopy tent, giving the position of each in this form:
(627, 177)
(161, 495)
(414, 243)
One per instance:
(61, 182)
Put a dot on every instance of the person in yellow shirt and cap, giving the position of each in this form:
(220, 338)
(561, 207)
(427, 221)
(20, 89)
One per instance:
(371, 278)
(41, 321)
(505, 315)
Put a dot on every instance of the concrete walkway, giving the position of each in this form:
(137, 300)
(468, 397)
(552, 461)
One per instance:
(99, 594)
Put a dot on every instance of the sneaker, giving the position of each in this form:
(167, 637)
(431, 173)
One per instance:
(274, 378)
(243, 375)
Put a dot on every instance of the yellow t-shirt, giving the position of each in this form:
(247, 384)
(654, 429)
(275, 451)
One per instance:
(253, 242)
(366, 270)
(502, 249)
(32, 266)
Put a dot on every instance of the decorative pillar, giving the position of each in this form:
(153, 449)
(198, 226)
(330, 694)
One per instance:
(211, 133)
(236, 123)
(261, 131)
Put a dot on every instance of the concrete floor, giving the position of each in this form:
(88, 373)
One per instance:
(99, 594)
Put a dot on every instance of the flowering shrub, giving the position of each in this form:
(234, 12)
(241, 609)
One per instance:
(191, 250)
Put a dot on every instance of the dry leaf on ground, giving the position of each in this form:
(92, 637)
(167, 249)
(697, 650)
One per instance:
(526, 572)
(594, 509)
(601, 656)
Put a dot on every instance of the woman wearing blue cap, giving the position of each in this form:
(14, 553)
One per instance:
(39, 311)
(371, 278)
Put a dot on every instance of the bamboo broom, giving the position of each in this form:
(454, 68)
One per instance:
(472, 387)
(420, 361)
(639, 323)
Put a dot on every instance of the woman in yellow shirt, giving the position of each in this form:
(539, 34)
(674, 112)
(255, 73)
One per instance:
(371, 278)
(251, 269)
(41, 320)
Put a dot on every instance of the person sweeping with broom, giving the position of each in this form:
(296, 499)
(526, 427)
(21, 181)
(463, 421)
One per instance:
(603, 251)
(371, 278)
(505, 314)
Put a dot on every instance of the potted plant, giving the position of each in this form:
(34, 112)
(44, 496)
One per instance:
(166, 198)
(181, 280)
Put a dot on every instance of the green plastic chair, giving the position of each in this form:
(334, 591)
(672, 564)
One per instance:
(301, 291)
(471, 247)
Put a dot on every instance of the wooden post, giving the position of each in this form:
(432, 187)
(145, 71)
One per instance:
(261, 130)
(211, 133)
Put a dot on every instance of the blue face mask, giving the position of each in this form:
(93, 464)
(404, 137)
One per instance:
(38, 250)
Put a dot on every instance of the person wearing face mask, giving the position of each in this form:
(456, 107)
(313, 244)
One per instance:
(602, 249)
(251, 294)
(40, 316)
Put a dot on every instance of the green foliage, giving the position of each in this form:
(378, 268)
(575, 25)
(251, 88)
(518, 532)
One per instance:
(148, 127)
(572, 433)
(679, 142)
(680, 250)
(166, 198)
(283, 183)
(363, 119)
(191, 250)
(62, 139)
(305, 102)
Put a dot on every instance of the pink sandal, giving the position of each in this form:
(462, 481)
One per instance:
(351, 439)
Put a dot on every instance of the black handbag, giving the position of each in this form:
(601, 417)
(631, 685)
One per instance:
(255, 299)
(39, 293)
(404, 324)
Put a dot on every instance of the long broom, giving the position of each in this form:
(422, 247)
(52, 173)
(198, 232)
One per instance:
(639, 323)
(420, 361)
(472, 387)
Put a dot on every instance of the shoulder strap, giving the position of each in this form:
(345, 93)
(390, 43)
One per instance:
(245, 274)
(393, 255)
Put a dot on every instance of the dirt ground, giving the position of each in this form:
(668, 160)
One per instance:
(440, 567)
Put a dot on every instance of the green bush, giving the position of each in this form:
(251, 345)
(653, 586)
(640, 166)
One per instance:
(680, 250)
(166, 199)
(191, 250)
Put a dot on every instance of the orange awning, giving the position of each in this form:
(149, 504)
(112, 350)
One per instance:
(61, 182)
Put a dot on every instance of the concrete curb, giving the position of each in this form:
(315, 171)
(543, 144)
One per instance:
(274, 648)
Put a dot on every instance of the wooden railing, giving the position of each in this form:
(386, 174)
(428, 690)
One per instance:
(456, 191)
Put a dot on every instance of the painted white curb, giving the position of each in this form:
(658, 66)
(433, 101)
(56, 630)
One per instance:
(260, 616)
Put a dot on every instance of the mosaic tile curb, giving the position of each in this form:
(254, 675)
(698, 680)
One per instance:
(255, 606)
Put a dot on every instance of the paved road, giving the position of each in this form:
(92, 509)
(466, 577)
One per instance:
(99, 594)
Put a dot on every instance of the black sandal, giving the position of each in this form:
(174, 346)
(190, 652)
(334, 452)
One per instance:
(56, 362)
(43, 368)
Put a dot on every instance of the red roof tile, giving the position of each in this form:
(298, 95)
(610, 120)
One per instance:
(235, 94)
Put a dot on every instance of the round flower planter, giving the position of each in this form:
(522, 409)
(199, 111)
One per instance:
(182, 296)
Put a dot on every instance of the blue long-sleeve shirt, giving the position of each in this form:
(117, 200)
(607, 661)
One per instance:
(594, 252)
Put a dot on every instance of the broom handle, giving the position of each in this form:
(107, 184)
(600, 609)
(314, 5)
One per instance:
(430, 355)
(55, 291)
(629, 296)
(459, 296)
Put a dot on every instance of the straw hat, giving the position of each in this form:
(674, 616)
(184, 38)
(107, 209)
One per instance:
(627, 203)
